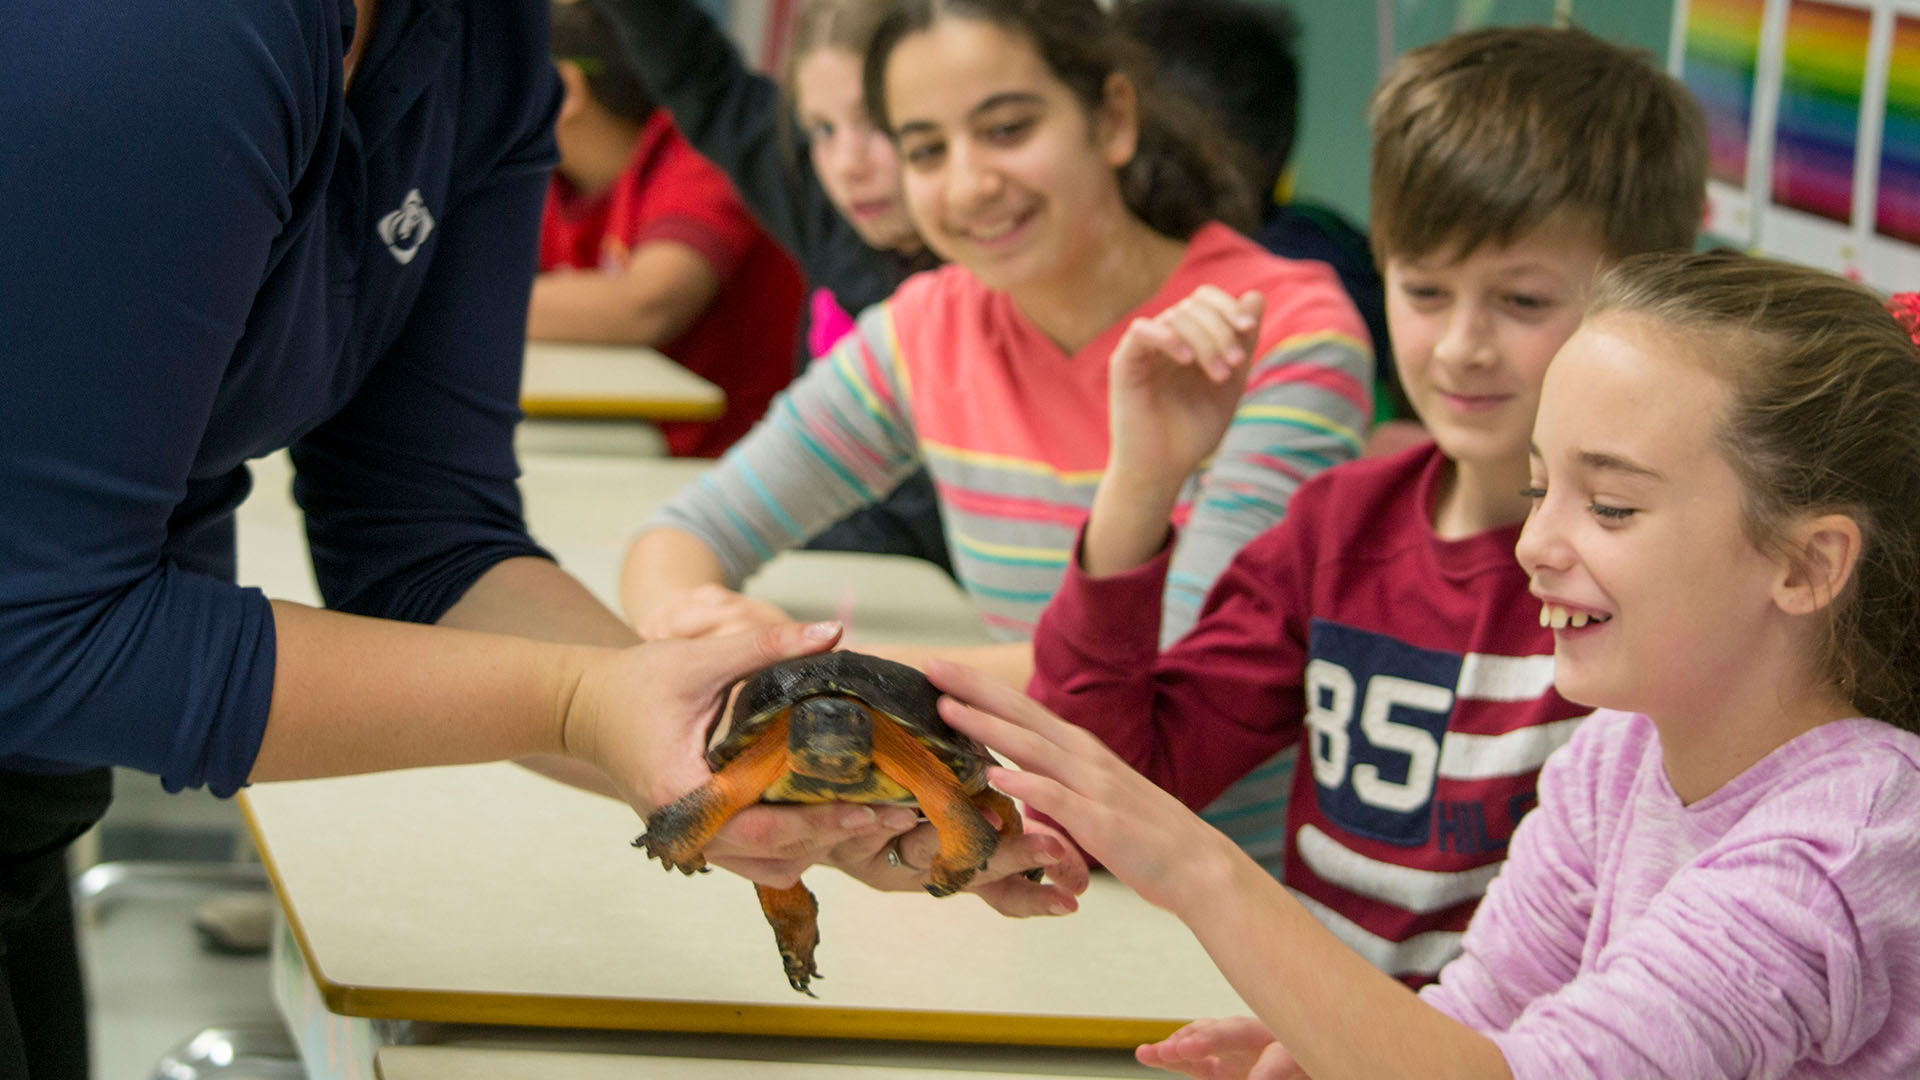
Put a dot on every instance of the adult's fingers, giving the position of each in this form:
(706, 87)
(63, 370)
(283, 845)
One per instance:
(771, 845)
(718, 661)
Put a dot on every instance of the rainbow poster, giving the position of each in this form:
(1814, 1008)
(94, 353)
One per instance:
(1721, 49)
(1817, 125)
(1897, 207)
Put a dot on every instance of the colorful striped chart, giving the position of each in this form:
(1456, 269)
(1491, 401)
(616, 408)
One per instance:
(1722, 50)
(1823, 74)
(1897, 213)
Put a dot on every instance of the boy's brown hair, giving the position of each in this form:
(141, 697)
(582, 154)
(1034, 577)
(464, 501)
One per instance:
(1483, 136)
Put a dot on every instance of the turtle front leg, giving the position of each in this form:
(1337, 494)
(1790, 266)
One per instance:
(1010, 824)
(966, 840)
(678, 832)
(795, 917)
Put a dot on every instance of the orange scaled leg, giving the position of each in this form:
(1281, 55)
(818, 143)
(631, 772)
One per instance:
(966, 840)
(795, 917)
(678, 832)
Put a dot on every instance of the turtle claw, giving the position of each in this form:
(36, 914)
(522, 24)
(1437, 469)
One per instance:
(799, 971)
(688, 863)
(945, 882)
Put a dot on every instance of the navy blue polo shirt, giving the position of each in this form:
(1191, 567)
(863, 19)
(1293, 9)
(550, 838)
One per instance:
(210, 249)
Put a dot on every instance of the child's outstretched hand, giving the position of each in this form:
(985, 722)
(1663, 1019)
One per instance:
(1144, 835)
(1234, 1048)
(710, 611)
(1175, 380)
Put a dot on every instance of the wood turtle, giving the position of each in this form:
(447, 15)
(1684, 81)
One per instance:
(836, 726)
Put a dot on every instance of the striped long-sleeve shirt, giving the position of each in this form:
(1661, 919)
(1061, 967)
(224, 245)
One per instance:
(1014, 431)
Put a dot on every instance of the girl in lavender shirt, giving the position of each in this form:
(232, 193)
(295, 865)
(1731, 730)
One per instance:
(1722, 877)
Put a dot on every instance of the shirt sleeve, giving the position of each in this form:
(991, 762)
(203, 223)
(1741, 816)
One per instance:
(1211, 707)
(1526, 936)
(411, 491)
(735, 118)
(150, 147)
(696, 206)
(839, 438)
(1779, 949)
(1306, 407)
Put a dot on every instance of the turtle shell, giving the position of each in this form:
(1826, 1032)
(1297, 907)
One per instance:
(888, 688)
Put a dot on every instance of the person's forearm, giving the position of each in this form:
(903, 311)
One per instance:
(1336, 1014)
(1128, 523)
(661, 564)
(354, 694)
(535, 598)
(601, 308)
(1009, 662)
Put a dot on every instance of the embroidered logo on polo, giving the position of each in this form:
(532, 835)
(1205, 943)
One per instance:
(404, 230)
(1376, 729)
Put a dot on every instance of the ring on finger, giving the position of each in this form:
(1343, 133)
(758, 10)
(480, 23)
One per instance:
(894, 859)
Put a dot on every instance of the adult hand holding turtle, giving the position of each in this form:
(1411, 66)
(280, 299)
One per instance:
(637, 716)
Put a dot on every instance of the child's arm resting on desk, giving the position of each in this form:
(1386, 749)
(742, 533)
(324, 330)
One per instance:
(665, 286)
(1335, 1014)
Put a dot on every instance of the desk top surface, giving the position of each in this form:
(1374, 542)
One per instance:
(585, 509)
(750, 1062)
(487, 894)
(584, 380)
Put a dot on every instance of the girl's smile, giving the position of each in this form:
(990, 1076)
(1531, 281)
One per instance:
(1005, 171)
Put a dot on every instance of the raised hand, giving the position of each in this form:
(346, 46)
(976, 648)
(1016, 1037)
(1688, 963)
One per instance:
(710, 610)
(1175, 380)
(1234, 1048)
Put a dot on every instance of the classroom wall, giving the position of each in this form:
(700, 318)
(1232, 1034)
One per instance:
(1339, 52)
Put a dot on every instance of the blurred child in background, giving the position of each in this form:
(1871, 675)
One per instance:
(645, 243)
(839, 212)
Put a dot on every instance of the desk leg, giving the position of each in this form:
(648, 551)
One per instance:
(331, 1047)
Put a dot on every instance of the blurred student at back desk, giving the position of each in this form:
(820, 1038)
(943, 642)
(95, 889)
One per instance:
(644, 242)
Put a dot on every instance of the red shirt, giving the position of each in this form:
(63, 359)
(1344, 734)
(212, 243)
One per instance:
(744, 341)
(1412, 670)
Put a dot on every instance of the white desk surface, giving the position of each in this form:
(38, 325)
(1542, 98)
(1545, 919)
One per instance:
(480, 1054)
(569, 379)
(488, 895)
(584, 508)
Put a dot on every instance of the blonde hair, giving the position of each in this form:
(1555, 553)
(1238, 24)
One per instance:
(1825, 418)
(1485, 135)
(828, 24)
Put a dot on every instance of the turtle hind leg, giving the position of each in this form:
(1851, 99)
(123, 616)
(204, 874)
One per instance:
(795, 917)
(1010, 824)
(678, 832)
(966, 840)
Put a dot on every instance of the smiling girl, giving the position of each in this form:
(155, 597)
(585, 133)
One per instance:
(1718, 879)
(1070, 202)
(840, 213)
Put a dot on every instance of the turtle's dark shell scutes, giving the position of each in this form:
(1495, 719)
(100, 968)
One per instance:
(895, 690)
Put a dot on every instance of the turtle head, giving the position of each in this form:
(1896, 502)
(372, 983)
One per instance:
(830, 738)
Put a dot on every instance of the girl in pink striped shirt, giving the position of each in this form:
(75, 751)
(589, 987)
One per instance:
(1719, 879)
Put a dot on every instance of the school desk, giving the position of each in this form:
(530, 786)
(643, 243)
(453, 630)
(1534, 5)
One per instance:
(485, 894)
(496, 1055)
(565, 379)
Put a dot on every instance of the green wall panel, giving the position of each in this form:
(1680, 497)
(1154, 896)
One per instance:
(1339, 53)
